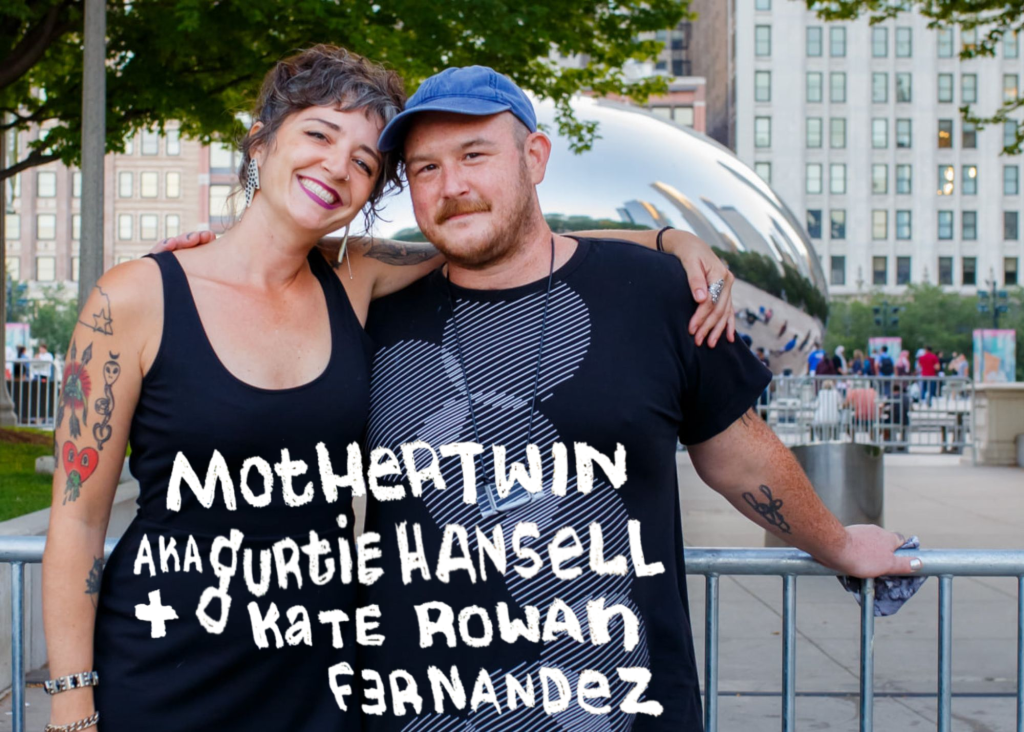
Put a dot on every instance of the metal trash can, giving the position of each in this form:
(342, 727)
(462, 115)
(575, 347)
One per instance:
(849, 479)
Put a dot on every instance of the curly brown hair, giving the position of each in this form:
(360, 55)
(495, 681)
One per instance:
(326, 75)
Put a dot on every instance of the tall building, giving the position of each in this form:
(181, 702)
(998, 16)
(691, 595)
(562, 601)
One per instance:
(858, 128)
(159, 187)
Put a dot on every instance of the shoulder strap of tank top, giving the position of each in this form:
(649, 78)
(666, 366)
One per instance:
(337, 298)
(183, 329)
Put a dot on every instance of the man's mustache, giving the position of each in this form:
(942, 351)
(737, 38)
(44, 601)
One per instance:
(454, 207)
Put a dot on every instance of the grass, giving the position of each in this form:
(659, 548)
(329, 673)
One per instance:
(22, 490)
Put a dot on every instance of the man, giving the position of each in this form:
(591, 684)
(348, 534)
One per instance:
(43, 371)
(928, 363)
(529, 338)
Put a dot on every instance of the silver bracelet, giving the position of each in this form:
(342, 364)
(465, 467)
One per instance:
(71, 681)
(81, 724)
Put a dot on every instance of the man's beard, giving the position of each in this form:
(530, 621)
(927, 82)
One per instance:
(510, 233)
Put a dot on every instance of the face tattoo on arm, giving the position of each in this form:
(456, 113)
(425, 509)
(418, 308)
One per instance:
(104, 406)
(75, 389)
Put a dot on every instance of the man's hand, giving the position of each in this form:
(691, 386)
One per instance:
(183, 241)
(869, 552)
(704, 268)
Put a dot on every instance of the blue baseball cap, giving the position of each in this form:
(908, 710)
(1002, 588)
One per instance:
(473, 90)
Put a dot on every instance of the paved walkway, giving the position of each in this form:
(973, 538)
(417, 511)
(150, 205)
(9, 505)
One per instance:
(949, 505)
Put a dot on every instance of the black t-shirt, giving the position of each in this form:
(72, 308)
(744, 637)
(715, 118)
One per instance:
(618, 368)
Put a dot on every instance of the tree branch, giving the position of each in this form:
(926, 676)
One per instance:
(32, 47)
(34, 158)
(41, 114)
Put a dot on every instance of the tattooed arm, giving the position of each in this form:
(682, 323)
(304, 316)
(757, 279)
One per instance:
(759, 476)
(101, 384)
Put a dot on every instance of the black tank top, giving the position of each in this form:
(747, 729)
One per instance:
(192, 679)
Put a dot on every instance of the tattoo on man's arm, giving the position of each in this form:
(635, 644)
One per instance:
(400, 253)
(94, 580)
(769, 510)
(102, 321)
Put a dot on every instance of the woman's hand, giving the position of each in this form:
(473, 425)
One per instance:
(183, 241)
(703, 269)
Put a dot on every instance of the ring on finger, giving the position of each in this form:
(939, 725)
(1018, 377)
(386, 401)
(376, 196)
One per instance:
(715, 290)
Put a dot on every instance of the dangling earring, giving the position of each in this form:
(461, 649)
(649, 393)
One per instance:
(252, 181)
(344, 250)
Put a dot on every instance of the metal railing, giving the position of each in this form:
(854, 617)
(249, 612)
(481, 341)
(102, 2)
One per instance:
(897, 412)
(712, 564)
(34, 388)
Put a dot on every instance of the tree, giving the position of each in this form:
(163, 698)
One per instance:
(202, 62)
(992, 19)
(53, 317)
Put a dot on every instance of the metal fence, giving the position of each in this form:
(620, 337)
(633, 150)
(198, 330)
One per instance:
(788, 564)
(34, 388)
(905, 413)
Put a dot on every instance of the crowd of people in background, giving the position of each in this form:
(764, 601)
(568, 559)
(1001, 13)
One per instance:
(23, 365)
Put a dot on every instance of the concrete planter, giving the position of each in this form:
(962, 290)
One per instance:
(35, 524)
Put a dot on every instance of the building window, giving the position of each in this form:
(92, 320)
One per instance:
(46, 184)
(1009, 133)
(129, 145)
(1009, 270)
(837, 132)
(173, 142)
(837, 87)
(814, 223)
(969, 225)
(764, 171)
(1011, 180)
(12, 227)
(814, 86)
(969, 181)
(219, 208)
(814, 132)
(838, 221)
(1010, 84)
(762, 86)
(838, 270)
(125, 184)
(879, 42)
(46, 226)
(945, 224)
(13, 265)
(172, 185)
(969, 39)
(763, 40)
(879, 224)
(13, 185)
(150, 142)
(902, 270)
(970, 271)
(1010, 225)
(75, 269)
(76, 227)
(222, 158)
(76, 184)
(149, 184)
(46, 269)
(762, 131)
(172, 225)
(814, 40)
(904, 175)
(880, 133)
(1011, 45)
(763, 5)
(148, 227)
(683, 116)
(903, 225)
(880, 178)
(969, 88)
(837, 178)
(947, 180)
(124, 227)
(903, 92)
(945, 270)
(903, 133)
(837, 41)
(879, 271)
(904, 45)
(680, 66)
(879, 87)
(945, 88)
(945, 133)
(812, 178)
(968, 136)
(944, 42)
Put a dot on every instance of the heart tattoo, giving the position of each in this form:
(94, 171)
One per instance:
(78, 465)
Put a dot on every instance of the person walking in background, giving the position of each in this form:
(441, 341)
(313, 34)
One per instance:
(42, 371)
(928, 366)
(903, 364)
(826, 412)
(839, 360)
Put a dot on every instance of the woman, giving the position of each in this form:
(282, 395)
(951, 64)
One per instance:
(234, 357)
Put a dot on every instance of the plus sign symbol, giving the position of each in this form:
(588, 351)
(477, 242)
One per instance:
(157, 614)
